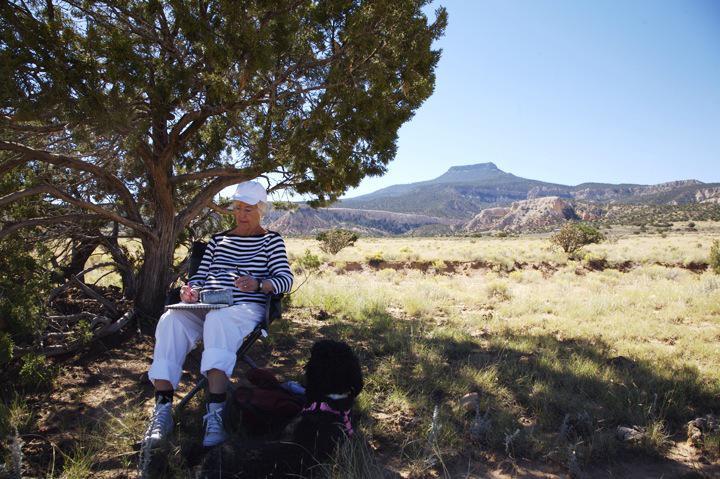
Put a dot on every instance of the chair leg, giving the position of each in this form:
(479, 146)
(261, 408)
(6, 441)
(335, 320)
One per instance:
(200, 385)
(248, 360)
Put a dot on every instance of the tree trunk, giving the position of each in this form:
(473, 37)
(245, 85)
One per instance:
(124, 266)
(156, 272)
(81, 252)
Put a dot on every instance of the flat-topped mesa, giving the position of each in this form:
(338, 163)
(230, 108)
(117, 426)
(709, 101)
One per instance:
(479, 172)
(489, 166)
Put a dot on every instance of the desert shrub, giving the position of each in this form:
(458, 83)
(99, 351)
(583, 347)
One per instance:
(715, 256)
(375, 259)
(333, 241)
(595, 260)
(308, 262)
(36, 373)
(573, 236)
(439, 265)
(498, 290)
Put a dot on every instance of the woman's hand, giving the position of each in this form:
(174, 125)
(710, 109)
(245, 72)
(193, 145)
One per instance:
(246, 284)
(188, 294)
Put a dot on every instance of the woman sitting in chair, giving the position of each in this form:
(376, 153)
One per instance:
(251, 262)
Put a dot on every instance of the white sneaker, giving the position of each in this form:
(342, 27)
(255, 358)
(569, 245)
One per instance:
(214, 431)
(161, 424)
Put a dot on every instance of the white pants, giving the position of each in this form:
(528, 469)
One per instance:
(222, 332)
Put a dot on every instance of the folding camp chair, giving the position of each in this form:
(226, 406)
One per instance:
(273, 311)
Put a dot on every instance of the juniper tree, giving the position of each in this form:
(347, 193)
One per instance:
(140, 112)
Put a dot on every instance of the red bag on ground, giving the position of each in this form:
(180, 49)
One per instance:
(266, 407)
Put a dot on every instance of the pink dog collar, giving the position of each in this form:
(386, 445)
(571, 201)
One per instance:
(323, 406)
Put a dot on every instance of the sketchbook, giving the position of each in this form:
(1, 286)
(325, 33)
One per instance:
(201, 306)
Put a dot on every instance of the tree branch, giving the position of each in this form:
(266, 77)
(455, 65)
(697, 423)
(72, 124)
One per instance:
(13, 124)
(72, 218)
(202, 199)
(106, 330)
(211, 173)
(139, 227)
(18, 195)
(75, 163)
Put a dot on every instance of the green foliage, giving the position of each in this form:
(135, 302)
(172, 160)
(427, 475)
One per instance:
(285, 205)
(715, 256)
(83, 332)
(6, 348)
(23, 286)
(308, 262)
(36, 373)
(573, 236)
(168, 103)
(333, 241)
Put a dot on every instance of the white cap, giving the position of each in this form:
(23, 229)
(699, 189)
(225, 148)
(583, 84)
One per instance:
(250, 192)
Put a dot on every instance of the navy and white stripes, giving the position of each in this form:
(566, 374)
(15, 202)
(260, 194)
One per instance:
(229, 255)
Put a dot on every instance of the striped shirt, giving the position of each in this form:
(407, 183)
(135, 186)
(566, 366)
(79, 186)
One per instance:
(229, 255)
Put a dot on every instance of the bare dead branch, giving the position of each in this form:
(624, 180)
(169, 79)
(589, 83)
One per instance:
(107, 329)
(71, 317)
(107, 304)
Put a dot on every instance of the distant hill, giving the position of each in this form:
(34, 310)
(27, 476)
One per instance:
(482, 197)
(463, 191)
(459, 193)
(308, 221)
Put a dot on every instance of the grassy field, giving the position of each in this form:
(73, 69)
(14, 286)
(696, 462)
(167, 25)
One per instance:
(478, 353)
(560, 356)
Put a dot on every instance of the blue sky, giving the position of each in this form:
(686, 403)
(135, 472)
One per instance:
(571, 91)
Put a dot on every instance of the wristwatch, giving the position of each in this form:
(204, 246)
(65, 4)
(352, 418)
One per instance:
(259, 286)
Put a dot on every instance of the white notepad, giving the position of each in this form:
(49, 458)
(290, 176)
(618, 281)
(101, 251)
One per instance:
(201, 306)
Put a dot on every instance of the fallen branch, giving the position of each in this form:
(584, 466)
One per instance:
(109, 305)
(60, 289)
(108, 329)
(71, 317)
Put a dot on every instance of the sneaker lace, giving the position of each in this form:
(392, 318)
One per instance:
(213, 422)
(159, 420)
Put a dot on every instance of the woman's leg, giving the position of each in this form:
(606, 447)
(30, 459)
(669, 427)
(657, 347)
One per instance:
(223, 333)
(176, 334)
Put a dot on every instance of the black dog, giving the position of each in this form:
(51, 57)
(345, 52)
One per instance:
(333, 380)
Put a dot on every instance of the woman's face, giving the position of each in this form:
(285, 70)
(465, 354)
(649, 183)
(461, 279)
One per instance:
(247, 217)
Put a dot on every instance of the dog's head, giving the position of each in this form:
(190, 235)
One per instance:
(333, 374)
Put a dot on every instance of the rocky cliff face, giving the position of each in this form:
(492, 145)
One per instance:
(532, 215)
(708, 195)
(539, 213)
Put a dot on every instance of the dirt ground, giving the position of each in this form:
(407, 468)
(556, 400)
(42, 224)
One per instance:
(108, 385)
